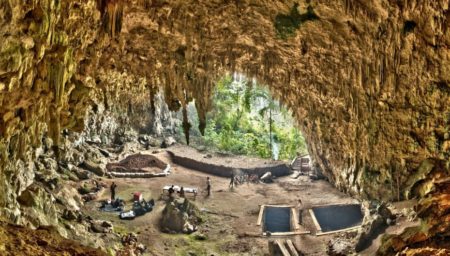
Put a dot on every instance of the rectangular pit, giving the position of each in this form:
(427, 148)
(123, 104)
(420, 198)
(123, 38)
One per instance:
(279, 220)
(336, 218)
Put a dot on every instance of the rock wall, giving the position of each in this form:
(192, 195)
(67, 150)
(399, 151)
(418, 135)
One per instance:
(44, 44)
(52, 84)
(369, 83)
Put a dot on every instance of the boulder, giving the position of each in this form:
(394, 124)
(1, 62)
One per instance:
(339, 247)
(98, 169)
(70, 198)
(80, 173)
(371, 228)
(180, 216)
(267, 177)
(70, 215)
(167, 142)
(101, 226)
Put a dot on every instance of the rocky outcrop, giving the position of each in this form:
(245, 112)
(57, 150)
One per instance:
(434, 230)
(16, 240)
(180, 216)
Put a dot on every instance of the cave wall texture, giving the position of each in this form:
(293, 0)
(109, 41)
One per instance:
(368, 82)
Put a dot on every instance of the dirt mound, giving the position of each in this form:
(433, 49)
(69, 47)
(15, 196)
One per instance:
(16, 240)
(137, 163)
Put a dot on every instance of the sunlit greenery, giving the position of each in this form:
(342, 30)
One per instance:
(243, 120)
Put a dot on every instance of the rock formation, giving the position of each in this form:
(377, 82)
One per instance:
(369, 82)
(180, 216)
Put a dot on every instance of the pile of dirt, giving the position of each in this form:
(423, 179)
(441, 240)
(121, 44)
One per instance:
(137, 163)
(16, 240)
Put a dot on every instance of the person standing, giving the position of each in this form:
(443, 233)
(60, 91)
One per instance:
(232, 180)
(171, 191)
(181, 192)
(300, 211)
(208, 185)
(113, 191)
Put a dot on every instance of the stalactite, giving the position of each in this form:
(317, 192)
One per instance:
(112, 15)
(186, 124)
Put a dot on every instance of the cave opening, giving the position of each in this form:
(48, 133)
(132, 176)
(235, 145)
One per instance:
(245, 119)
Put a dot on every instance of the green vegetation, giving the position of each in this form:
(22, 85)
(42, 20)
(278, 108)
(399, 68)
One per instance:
(246, 120)
(287, 25)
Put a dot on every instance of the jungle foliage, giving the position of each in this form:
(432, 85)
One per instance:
(246, 120)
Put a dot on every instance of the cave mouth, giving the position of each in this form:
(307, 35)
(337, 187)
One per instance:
(244, 119)
(336, 218)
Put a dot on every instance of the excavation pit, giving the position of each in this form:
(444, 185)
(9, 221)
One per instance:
(279, 220)
(336, 218)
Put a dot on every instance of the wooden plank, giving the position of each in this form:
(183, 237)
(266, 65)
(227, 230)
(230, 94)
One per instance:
(261, 214)
(283, 249)
(291, 248)
(337, 231)
(294, 219)
(337, 204)
(279, 205)
(287, 233)
(316, 223)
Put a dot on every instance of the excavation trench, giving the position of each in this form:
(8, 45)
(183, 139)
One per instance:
(277, 219)
(335, 218)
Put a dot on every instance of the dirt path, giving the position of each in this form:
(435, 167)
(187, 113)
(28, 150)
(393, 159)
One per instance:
(236, 213)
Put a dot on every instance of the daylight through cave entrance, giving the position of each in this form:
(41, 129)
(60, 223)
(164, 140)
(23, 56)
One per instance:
(245, 119)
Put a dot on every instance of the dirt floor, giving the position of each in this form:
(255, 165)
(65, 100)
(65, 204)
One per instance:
(230, 224)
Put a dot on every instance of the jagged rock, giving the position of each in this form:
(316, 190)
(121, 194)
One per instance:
(434, 228)
(80, 173)
(69, 197)
(101, 226)
(339, 247)
(370, 229)
(425, 251)
(154, 142)
(70, 215)
(98, 169)
(38, 207)
(167, 142)
(104, 152)
(180, 216)
(77, 157)
(143, 139)
(376, 220)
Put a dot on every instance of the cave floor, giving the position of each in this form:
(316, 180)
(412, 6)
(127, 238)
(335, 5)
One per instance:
(232, 230)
